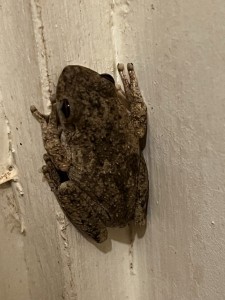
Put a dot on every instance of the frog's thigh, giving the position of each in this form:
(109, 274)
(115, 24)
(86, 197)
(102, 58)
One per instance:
(142, 201)
(83, 213)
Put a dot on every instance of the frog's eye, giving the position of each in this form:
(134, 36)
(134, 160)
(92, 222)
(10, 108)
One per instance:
(108, 77)
(66, 108)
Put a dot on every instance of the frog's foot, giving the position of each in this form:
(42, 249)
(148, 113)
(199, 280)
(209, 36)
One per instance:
(58, 151)
(137, 106)
(97, 233)
(41, 118)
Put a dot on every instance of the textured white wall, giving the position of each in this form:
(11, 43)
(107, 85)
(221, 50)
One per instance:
(178, 49)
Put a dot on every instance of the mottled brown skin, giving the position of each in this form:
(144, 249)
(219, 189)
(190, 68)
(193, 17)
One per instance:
(94, 139)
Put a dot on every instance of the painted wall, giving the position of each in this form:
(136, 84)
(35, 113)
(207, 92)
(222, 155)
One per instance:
(178, 48)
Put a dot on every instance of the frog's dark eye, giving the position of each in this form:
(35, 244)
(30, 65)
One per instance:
(66, 108)
(108, 77)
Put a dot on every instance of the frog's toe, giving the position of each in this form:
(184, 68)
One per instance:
(101, 235)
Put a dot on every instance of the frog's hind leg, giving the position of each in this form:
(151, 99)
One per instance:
(137, 106)
(83, 211)
(78, 206)
(142, 199)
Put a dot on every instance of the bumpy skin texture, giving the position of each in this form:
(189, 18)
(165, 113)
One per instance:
(94, 137)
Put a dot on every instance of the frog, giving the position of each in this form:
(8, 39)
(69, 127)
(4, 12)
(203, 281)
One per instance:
(94, 139)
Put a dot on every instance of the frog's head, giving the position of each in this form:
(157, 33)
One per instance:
(83, 94)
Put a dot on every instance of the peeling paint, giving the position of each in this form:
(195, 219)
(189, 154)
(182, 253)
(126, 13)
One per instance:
(42, 56)
(8, 168)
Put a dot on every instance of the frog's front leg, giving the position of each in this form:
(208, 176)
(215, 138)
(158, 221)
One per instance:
(57, 150)
(82, 210)
(137, 106)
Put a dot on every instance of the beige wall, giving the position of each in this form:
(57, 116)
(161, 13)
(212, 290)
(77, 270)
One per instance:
(178, 48)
